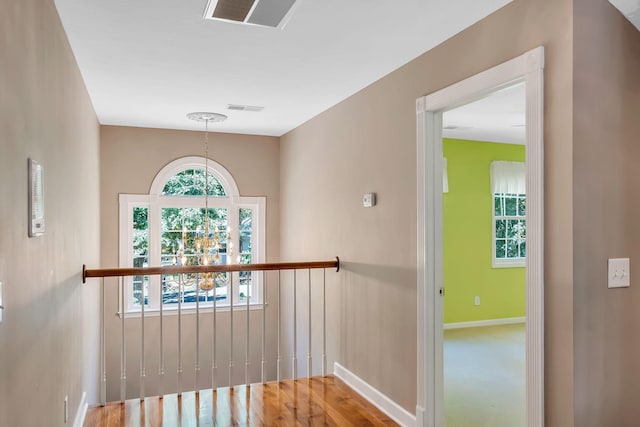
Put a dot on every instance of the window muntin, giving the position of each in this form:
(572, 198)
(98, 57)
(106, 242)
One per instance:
(509, 230)
(153, 230)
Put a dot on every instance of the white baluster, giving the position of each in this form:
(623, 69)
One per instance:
(197, 389)
(309, 361)
(214, 363)
(161, 367)
(294, 360)
(180, 296)
(231, 331)
(142, 367)
(264, 302)
(324, 323)
(246, 352)
(123, 360)
(279, 372)
(103, 349)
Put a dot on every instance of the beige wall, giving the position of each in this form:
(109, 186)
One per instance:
(130, 158)
(606, 212)
(367, 143)
(49, 335)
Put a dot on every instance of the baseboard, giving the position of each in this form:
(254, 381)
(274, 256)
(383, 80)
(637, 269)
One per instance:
(81, 412)
(396, 412)
(490, 322)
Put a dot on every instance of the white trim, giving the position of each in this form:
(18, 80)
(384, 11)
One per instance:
(489, 322)
(205, 309)
(526, 68)
(396, 412)
(78, 421)
(504, 262)
(194, 162)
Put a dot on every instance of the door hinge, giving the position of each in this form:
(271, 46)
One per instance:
(441, 292)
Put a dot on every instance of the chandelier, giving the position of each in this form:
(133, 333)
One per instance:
(206, 246)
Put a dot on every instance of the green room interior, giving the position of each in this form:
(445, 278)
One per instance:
(467, 237)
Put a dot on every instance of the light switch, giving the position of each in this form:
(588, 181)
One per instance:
(619, 273)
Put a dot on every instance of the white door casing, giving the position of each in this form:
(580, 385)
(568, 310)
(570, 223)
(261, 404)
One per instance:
(527, 68)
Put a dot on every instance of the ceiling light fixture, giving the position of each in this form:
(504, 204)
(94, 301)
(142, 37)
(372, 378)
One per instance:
(206, 245)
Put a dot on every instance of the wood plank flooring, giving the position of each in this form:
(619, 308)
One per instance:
(319, 401)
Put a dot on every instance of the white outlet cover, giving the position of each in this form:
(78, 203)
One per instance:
(619, 274)
(369, 200)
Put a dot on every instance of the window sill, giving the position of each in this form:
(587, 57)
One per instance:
(519, 263)
(191, 310)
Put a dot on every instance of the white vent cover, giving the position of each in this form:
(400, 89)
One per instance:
(266, 13)
(238, 107)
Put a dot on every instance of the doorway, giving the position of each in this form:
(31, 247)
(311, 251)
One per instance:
(526, 69)
(484, 261)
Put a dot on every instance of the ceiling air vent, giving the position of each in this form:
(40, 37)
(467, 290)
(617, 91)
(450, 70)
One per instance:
(238, 107)
(266, 13)
(454, 127)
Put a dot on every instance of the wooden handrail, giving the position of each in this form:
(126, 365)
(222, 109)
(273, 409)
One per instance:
(174, 269)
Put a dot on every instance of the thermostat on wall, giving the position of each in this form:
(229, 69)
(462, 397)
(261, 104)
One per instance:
(369, 200)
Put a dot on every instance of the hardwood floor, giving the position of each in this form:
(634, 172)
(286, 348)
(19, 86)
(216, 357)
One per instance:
(319, 401)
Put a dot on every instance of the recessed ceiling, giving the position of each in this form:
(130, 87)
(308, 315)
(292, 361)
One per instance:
(499, 117)
(149, 63)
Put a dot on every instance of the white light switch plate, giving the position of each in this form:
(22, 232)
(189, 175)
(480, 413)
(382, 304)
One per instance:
(619, 273)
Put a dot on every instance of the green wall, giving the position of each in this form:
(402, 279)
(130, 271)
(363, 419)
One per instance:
(467, 237)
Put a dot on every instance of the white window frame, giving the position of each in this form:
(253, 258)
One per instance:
(504, 262)
(155, 202)
(507, 178)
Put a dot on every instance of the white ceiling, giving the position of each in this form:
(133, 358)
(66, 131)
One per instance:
(630, 9)
(149, 63)
(500, 117)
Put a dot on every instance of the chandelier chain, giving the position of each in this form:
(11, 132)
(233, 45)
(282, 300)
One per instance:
(206, 173)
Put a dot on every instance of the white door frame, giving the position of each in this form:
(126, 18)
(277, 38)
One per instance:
(526, 68)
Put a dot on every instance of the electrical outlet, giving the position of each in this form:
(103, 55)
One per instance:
(369, 200)
(66, 409)
(476, 300)
(619, 273)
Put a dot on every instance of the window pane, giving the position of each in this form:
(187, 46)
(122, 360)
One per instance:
(510, 204)
(498, 203)
(512, 249)
(140, 254)
(501, 228)
(191, 182)
(184, 235)
(522, 206)
(245, 255)
(522, 230)
(500, 248)
(512, 229)
(523, 250)
(245, 226)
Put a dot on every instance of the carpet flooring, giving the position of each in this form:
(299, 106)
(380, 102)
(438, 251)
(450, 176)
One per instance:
(484, 376)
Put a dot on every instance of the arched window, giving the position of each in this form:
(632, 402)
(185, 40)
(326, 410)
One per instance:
(191, 182)
(162, 227)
